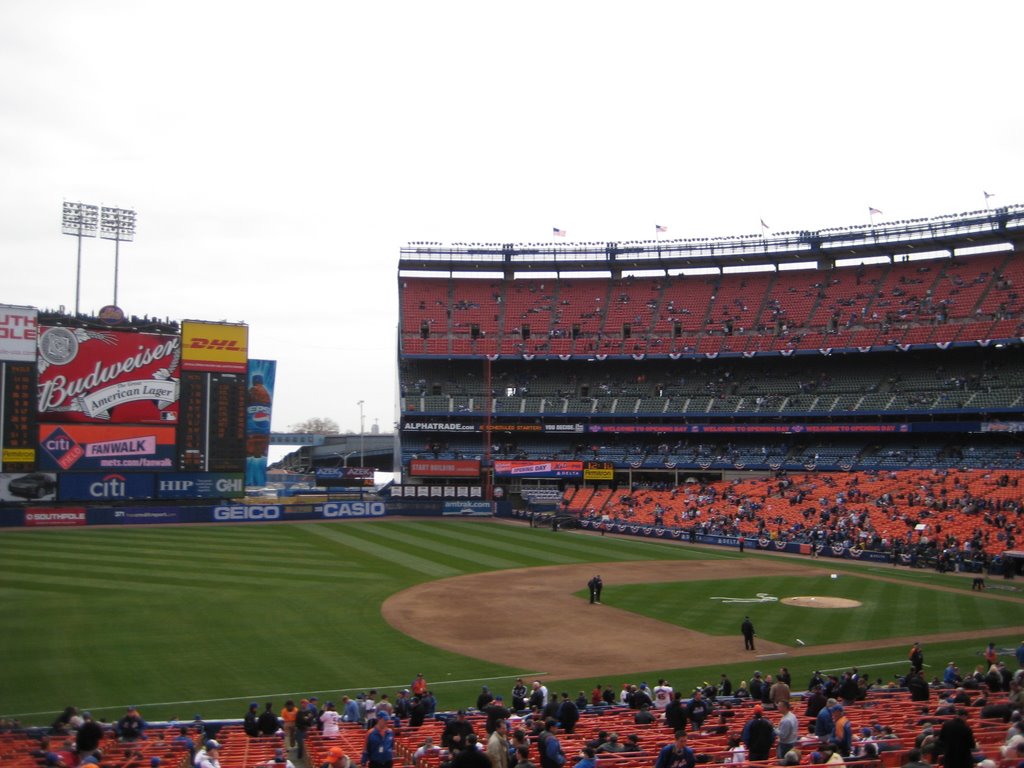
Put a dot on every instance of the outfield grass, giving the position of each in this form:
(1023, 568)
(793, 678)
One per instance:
(888, 609)
(186, 620)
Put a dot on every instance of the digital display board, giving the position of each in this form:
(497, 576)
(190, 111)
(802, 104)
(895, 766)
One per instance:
(228, 398)
(211, 432)
(192, 422)
(17, 417)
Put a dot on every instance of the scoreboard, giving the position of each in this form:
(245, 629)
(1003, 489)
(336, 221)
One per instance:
(17, 417)
(211, 429)
(598, 470)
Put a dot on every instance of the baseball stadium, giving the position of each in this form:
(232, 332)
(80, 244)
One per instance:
(818, 433)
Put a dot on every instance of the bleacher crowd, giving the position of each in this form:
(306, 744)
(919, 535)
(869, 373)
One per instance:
(952, 720)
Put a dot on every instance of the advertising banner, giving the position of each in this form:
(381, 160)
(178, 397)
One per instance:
(347, 476)
(142, 516)
(84, 447)
(214, 347)
(200, 485)
(107, 377)
(467, 509)
(18, 334)
(750, 428)
(570, 469)
(438, 426)
(100, 486)
(55, 517)
(598, 474)
(441, 468)
(33, 486)
(257, 420)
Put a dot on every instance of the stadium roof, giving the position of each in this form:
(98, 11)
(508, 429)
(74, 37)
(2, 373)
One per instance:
(975, 230)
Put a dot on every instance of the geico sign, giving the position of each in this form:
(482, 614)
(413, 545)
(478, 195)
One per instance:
(241, 512)
(354, 509)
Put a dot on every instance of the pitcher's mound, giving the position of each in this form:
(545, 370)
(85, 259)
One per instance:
(805, 601)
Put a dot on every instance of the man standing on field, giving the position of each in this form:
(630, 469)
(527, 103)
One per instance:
(747, 628)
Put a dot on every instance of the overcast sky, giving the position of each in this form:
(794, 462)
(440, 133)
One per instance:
(280, 154)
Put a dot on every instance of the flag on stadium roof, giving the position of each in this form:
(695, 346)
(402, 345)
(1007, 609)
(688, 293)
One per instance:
(874, 211)
(659, 228)
(558, 232)
(763, 225)
(988, 194)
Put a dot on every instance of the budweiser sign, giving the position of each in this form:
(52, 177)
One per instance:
(109, 377)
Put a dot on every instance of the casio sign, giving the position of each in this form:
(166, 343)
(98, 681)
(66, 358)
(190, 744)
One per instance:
(242, 512)
(110, 487)
(354, 509)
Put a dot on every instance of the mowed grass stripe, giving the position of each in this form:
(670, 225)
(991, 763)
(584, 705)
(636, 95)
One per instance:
(488, 538)
(213, 538)
(77, 582)
(395, 535)
(109, 549)
(146, 556)
(538, 546)
(388, 557)
(493, 539)
(591, 547)
(450, 546)
(183, 571)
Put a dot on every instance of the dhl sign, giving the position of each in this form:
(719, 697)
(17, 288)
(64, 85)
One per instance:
(217, 347)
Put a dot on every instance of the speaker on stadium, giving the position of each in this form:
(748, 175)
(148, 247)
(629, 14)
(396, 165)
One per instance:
(525, 331)
(677, 329)
(575, 330)
(425, 330)
(627, 330)
(474, 331)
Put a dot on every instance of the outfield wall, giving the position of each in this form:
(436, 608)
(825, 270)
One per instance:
(70, 516)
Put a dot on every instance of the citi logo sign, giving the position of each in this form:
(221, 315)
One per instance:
(110, 487)
(224, 345)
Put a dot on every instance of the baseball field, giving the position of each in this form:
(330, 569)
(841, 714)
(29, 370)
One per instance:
(202, 620)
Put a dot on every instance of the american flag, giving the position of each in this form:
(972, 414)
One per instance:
(763, 225)
(874, 211)
(558, 232)
(659, 228)
(988, 194)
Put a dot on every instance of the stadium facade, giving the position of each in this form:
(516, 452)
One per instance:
(859, 348)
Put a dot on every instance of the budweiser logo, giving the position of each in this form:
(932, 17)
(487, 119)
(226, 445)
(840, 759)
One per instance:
(59, 392)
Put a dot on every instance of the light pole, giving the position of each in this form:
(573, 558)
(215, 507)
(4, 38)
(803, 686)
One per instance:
(361, 453)
(80, 220)
(117, 224)
(344, 458)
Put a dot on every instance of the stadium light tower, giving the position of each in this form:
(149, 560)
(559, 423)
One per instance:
(361, 452)
(81, 221)
(117, 224)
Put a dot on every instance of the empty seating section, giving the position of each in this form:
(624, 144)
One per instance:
(933, 301)
(899, 382)
(892, 505)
